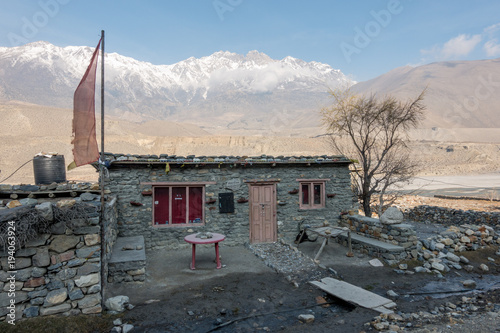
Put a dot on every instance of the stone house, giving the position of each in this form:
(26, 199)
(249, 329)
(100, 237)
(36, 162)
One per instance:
(248, 199)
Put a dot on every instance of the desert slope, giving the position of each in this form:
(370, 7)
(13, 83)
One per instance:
(27, 129)
(463, 94)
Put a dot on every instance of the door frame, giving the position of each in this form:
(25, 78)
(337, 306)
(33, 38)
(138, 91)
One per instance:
(274, 221)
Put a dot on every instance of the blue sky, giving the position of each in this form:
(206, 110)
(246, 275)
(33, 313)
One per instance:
(363, 38)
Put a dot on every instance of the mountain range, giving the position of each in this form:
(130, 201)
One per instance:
(226, 88)
(229, 93)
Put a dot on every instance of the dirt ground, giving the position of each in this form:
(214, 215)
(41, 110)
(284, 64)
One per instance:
(247, 296)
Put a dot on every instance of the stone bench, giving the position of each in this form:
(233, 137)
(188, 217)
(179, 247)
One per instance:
(128, 260)
(373, 247)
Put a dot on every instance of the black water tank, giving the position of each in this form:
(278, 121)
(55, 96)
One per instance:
(49, 169)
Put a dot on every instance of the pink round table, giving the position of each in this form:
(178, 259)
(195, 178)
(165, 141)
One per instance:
(216, 238)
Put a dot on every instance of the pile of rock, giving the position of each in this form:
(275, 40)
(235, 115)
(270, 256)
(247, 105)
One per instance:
(440, 253)
(115, 305)
(449, 312)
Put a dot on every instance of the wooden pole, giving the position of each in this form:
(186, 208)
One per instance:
(101, 180)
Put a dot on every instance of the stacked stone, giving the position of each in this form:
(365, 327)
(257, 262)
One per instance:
(125, 184)
(57, 272)
(133, 271)
(396, 233)
(449, 216)
(442, 252)
(471, 308)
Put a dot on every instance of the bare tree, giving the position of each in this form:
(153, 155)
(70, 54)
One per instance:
(374, 134)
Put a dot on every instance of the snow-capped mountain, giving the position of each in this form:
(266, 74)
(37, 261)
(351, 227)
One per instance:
(226, 87)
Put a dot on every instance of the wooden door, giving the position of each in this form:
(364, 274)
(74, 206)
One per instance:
(263, 226)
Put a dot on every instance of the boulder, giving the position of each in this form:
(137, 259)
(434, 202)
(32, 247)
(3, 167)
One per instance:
(13, 204)
(452, 257)
(127, 328)
(45, 211)
(41, 258)
(89, 301)
(28, 201)
(469, 283)
(87, 280)
(55, 297)
(32, 311)
(117, 303)
(67, 203)
(392, 216)
(62, 243)
(306, 318)
(87, 196)
(55, 309)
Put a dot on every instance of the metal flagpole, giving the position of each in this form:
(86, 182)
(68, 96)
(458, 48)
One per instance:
(101, 180)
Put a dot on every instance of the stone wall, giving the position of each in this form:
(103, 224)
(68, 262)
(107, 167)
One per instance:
(57, 271)
(125, 183)
(111, 231)
(400, 234)
(449, 216)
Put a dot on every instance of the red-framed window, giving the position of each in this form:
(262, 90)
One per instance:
(312, 193)
(178, 205)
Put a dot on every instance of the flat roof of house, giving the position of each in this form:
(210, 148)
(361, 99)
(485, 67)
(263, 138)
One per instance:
(128, 159)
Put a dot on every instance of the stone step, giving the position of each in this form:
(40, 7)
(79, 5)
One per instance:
(373, 243)
(128, 249)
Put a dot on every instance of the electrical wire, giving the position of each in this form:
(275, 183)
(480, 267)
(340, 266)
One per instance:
(12, 174)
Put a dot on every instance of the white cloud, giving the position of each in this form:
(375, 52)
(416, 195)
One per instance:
(492, 48)
(460, 46)
(492, 29)
(455, 48)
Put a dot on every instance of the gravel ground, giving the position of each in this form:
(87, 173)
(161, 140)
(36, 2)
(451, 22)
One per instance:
(292, 263)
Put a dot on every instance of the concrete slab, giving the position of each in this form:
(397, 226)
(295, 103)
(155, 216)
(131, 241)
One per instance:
(126, 249)
(168, 269)
(355, 295)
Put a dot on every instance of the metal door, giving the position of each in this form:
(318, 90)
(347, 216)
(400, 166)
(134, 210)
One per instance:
(263, 226)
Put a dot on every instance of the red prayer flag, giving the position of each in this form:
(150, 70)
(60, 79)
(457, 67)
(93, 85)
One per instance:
(85, 148)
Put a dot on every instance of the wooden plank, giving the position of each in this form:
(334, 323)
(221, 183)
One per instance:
(354, 295)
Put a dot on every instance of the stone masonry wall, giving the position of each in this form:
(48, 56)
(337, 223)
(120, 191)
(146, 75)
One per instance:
(56, 272)
(449, 216)
(125, 183)
(111, 231)
(400, 234)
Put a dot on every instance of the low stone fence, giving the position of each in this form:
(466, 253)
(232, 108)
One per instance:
(399, 234)
(450, 216)
(50, 262)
